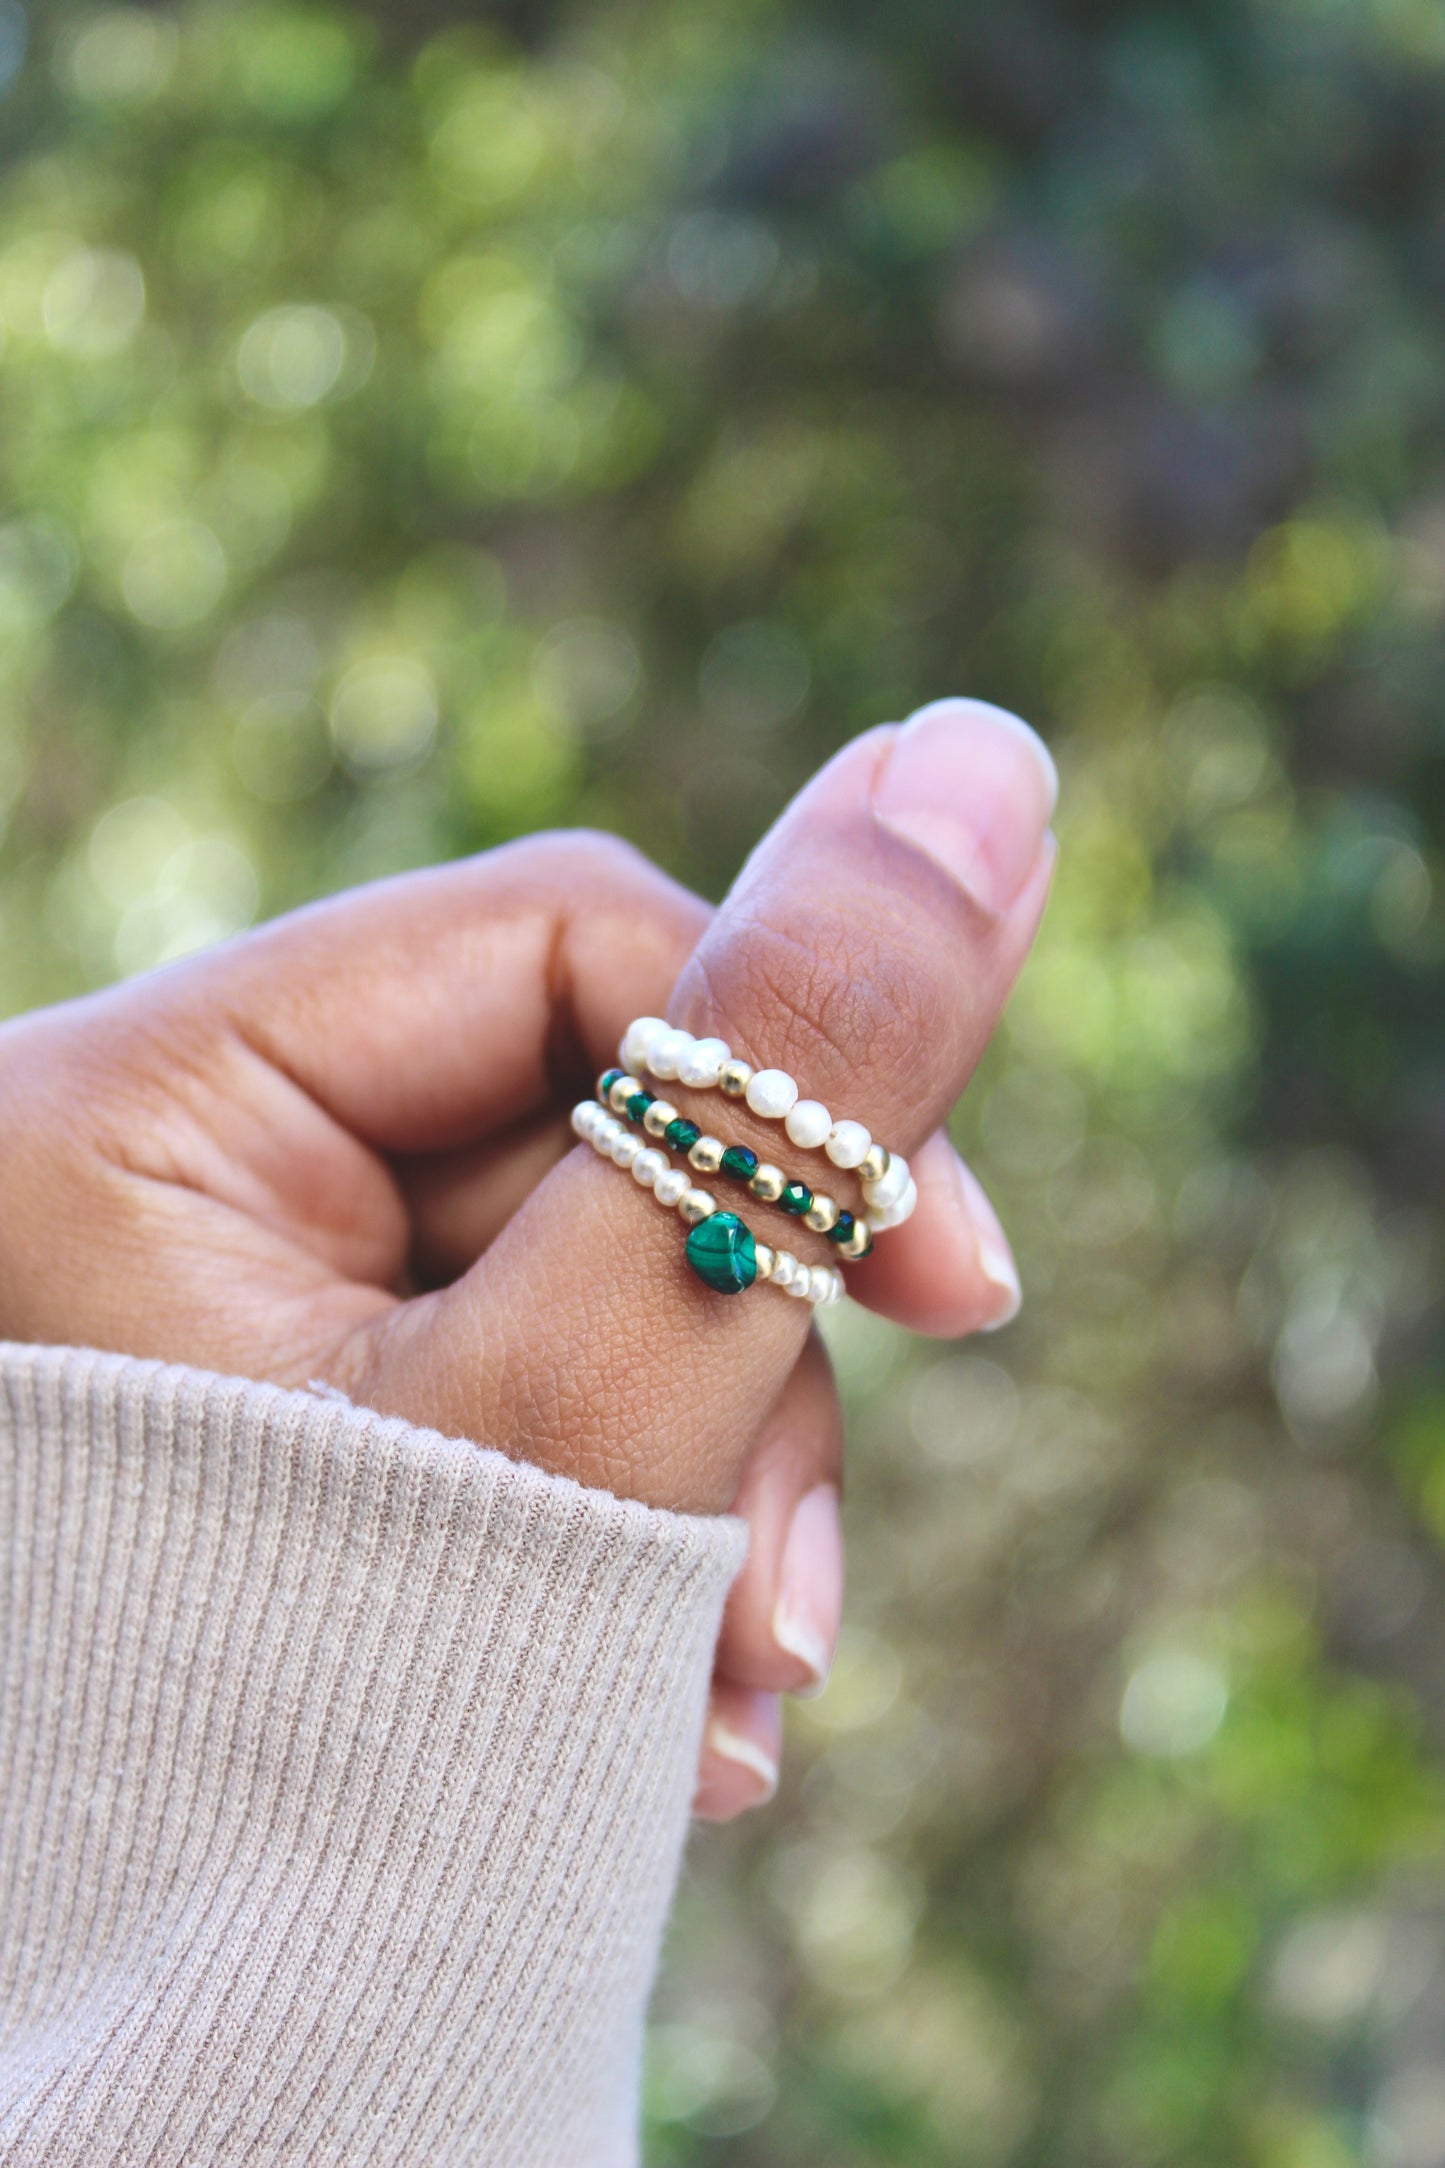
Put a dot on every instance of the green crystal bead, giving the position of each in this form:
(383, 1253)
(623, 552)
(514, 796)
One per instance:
(740, 1162)
(796, 1198)
(844, 1228)
(722, 1253)
(638, 1104)
(682, 1135)
(606, 1081)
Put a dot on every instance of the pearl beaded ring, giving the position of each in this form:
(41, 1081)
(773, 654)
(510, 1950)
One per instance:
(889, 1190)
(720, 1248)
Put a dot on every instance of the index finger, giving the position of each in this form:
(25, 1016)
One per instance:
(505, 974)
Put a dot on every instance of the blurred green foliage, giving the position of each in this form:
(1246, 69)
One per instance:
(417, 426)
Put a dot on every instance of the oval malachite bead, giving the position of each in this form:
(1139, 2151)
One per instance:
(638, 1104)
(844, 1228)
(740, 1162)
(722, 1253)
(606, 1081)
(682, 1135)
(797, 1198)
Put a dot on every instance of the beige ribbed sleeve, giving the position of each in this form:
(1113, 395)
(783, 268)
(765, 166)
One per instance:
(344, 1772)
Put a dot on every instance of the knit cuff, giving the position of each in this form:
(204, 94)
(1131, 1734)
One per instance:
(344, 1772)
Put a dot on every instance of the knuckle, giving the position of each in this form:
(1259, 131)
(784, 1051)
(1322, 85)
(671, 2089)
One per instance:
(616, 879)
(606, 861)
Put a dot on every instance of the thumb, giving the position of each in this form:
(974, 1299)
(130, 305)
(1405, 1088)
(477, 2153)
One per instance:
(867, 947)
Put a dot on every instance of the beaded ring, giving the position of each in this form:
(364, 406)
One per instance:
(889, 1190)
(720, 1248)
(623, 1094)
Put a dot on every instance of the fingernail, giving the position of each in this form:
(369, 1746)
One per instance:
(735, 1746)
(975, 788)
(995, 1258)
(809, 1607)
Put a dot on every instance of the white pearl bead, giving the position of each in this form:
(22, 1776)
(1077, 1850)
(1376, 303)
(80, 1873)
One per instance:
(667, 1053)
(625, 1148)
(648, 1165)
(881, 1217)
(890, 1185)
(820, 1283)
(670, 1186)
(638, 1038)
(808, 1123)
(771, 1092)
(702, 1062)
(801, 1283)
(605, 1131)
(582, 1116)
(785, 1264)
(847, 1144)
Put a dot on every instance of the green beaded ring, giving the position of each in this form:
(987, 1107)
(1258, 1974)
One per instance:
(624, 1095)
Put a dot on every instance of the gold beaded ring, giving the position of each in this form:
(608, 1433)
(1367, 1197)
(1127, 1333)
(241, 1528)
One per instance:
(625, 1095)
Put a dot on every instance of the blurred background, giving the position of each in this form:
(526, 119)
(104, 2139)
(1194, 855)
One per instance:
(423, 423)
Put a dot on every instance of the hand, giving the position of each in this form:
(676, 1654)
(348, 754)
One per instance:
(338, 1150)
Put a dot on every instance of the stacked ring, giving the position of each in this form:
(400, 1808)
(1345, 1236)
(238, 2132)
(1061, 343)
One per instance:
(720, 1248)
(889, 1190)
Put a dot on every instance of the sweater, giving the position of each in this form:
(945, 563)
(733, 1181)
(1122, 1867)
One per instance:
(344, 1776)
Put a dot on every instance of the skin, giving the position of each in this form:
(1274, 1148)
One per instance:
(337, 1149)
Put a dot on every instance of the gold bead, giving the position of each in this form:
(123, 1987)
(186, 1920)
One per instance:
(657, 1117)
(706, 1155)
(733, 1079)
(822, 1215)
(874, 1164)
(621, 1092)
(858, 1244)
(694, 1205)
(765, 1259)
(768, 1183)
